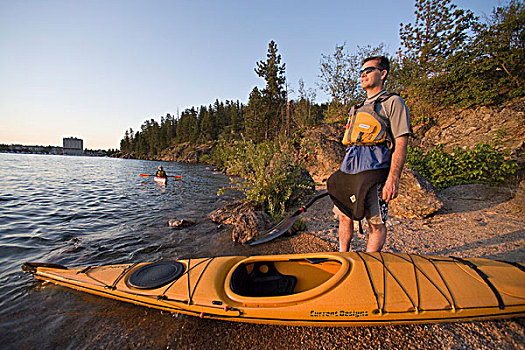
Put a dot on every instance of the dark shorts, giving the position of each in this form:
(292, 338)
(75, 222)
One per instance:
(376, 209)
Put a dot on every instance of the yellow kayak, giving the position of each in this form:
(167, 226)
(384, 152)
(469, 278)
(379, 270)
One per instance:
(321, 289)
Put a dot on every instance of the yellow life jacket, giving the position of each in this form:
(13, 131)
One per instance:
(366, 127)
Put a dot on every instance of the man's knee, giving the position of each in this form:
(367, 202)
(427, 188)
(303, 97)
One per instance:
(378, 229)
(342, 217)
(345, 219)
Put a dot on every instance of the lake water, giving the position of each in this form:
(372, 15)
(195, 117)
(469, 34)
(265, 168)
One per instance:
(79, 211)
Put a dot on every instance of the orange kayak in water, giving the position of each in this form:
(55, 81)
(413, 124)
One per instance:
(320, 289)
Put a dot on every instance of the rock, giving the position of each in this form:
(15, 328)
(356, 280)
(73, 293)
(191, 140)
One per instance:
(187, 152)
(519, 197)
(246, 217)
(250, 224)
(180, 223)
(417, 198)
(518, 153)
(452, 127)
(324, 151)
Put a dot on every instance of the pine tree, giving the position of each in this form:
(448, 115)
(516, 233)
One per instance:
(440, 31)
(208, 128)
(254, 117)
(273, 72)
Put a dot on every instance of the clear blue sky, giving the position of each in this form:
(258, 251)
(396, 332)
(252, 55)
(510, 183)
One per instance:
(92, 69)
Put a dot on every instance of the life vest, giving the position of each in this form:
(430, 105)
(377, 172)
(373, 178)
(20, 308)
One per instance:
(349, 191)
(366, 127)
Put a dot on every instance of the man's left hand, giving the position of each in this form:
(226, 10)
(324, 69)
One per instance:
(390, 189)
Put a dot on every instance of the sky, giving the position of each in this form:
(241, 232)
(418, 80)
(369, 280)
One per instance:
(93, 69)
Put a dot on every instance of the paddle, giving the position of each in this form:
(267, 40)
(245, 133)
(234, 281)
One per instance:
(285, 224)
(175, 176)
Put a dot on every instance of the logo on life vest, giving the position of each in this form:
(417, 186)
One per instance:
(353, 198)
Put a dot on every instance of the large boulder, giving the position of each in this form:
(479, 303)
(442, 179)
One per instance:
(246, 218)
(417, 198)
(323, 150)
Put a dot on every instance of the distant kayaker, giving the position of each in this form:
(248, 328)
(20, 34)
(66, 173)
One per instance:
(373, 159)
(160, 172)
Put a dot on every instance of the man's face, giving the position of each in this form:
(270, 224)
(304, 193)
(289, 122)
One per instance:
(371, 77)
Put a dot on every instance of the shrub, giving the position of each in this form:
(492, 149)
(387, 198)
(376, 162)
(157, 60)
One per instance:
(484, 164)
(270, 172)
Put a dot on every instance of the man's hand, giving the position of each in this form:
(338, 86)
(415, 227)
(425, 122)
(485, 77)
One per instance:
(390, 189)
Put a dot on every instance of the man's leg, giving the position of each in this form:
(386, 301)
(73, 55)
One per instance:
(346, 230)
(376, 237)
(376, 212)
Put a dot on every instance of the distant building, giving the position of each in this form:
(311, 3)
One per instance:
(73, 146)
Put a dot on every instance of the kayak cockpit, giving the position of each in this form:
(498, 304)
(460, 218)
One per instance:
(281, 279)
(262, 281)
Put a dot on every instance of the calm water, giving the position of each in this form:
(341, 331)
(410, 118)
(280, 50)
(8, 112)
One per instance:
(78, 211)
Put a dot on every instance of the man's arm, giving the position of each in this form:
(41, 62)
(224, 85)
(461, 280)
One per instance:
(391, 188)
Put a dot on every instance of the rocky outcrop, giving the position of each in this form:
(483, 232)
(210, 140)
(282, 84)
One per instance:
(466, 128)
(417, 198)
(246, 218)
(187, 153)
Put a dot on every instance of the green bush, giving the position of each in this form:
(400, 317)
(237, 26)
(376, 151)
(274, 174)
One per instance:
(484, 164)
(269, 171)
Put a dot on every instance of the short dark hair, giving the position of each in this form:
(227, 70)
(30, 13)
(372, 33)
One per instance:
(384, 63)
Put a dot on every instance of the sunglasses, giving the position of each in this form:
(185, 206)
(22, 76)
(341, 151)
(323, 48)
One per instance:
(367, 70)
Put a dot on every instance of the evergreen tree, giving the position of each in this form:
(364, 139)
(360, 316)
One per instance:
(432, 47)
(254, 118)
(501, 45)
(236, 116)
(439, 32)
(188, 127)
(208, 128)
(273, 72)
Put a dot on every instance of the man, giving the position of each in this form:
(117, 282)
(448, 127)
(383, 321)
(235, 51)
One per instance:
(373, 75)
(160, 172)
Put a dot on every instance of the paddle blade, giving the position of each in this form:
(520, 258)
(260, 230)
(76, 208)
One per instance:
(146, 175)
(278, 230)
(286, 224)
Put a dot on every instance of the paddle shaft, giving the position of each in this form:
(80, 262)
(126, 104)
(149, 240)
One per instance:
(307, 205)
(286, 224)
(175, 176)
